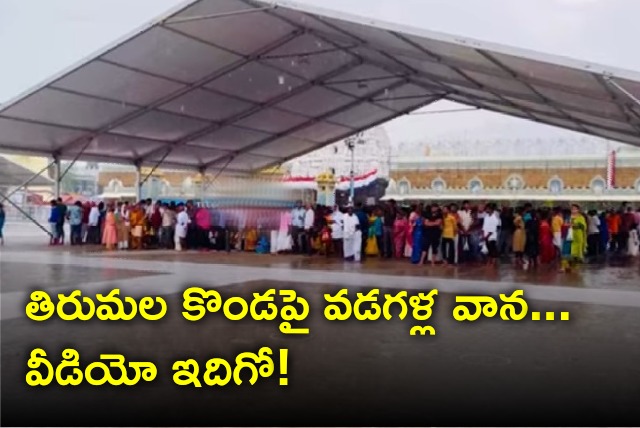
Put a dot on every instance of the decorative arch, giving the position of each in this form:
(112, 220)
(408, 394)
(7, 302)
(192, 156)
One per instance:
(439, 184)
(115, 185)
(555, 184)
(404, 187)
(165, 187)
(598, 184)
(514, 182)
(392, 187)
(475, 185)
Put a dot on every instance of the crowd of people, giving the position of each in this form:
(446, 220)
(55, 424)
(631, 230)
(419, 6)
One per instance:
(424, 234)
(126, 226)
(451, 235)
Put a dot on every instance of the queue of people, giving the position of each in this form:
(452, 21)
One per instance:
(449, 235)
(124, 226)
(424, 234)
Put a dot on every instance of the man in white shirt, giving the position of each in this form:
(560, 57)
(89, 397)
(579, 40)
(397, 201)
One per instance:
(148, 208)
(337, 230)
(182, 226)
(168, 221)
(593, 237)
(297, 227)
(309, 222)
(93, 233)
(465, 223)
(351, 232)
(490, 226)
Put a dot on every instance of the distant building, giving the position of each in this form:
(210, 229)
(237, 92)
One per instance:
(372, 153)
(29, 166)
(575, 178)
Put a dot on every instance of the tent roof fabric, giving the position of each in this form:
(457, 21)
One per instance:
(12, 174)
(242, 85)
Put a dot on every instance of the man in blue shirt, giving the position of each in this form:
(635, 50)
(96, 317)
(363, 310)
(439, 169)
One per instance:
(53, 222)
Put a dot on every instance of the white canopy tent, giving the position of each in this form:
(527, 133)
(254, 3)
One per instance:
(242, 85)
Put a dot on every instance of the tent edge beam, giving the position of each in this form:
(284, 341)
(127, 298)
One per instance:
(174, 21)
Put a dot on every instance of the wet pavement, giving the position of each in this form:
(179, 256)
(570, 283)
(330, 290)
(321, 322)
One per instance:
(349, 373)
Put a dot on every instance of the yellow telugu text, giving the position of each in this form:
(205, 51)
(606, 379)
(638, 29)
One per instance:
(198, 302)
(69, 373)
(110, 308)
(488, 307)
(220, 372)
(367, 308)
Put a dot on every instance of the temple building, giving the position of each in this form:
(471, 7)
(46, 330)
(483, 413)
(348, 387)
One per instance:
(584, 169)
(591, 178)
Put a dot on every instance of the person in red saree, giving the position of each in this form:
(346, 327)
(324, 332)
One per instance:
(155, 220)
(400, 227)
(547, 249)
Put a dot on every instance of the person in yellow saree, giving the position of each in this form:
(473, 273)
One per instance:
(579, 234)
(374, 240)
(251, 240)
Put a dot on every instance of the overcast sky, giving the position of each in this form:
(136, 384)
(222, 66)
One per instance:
(39, 38)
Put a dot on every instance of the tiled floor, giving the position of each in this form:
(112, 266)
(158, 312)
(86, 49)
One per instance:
(361, 372)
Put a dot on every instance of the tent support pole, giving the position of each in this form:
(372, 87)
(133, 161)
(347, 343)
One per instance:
(610, 80)
(203, 184)
(57, 177)
(209, 183)
(25, 184)
(75, 159)
(26, 214)
(139, 183)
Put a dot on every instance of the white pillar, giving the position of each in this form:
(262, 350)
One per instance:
(138, 183)
(203, 185)
(57, 174)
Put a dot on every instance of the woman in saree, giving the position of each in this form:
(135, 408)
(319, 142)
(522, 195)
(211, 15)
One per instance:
(579, 231)
(374, 240)
(251, 240)
(110, 233)
(400, 226)
(547, 249)
(416, 235)
(567, 239)
(519, 237)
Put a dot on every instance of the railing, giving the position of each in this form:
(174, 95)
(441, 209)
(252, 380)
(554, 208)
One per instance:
(40, 213)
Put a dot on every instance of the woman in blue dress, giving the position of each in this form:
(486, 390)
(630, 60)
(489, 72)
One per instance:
(2, 217)
(416, 250)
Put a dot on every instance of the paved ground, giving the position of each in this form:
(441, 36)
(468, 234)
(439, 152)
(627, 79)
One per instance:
(351, 373)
